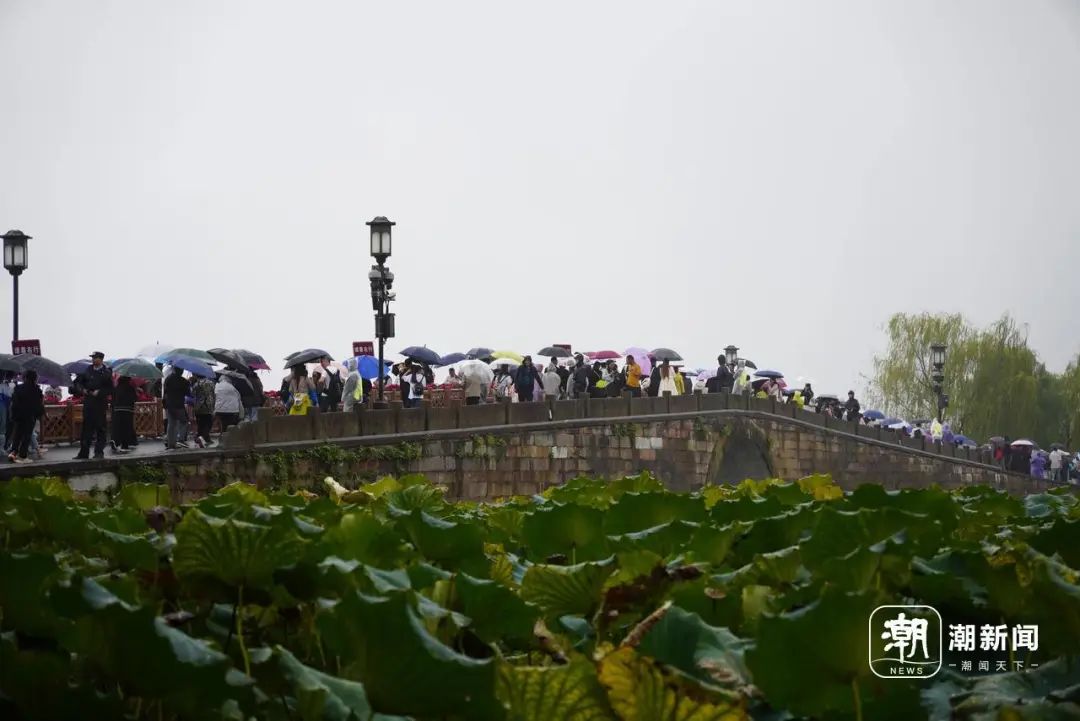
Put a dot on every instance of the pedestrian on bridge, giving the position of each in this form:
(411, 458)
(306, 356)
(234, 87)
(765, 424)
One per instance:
(95, 385)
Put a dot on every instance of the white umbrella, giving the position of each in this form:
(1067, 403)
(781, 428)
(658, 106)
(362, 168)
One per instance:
(476, 369)
(499, 362)
(1023, 442)
(153, 351)
(900, 425)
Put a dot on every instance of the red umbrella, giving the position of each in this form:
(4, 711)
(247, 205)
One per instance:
(604, 355)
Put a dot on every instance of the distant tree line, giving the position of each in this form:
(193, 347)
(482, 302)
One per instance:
(997, 385)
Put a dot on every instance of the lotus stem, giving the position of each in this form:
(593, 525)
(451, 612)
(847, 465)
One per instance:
(856, 699)
(239, 613)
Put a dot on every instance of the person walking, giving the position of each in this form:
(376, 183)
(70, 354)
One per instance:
(331, 387)
(174, 398)
(7, 388)
(526, 379)
(204, 408)
(27, 407)
(299, 389)
(96, 385)
(552, 382)
(227, 403)
(665, 380)
(580, 378)
(355, 390)
(632, 372)
(123, 415)
(1057, 456)
(852, 407)
(258, 394)
(725, 379)
(413, 381)
(473, 383)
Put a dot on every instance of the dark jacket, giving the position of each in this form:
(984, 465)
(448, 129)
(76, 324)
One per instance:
(260, 398)
(95, 379)
(124, 397)
(654, 382)
(243, 387)
(27, 402)
(579, 379)
(725, 379)
(525, 379)
(177, 389)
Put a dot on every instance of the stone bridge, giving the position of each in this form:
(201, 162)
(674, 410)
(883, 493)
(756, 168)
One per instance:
(496, 450)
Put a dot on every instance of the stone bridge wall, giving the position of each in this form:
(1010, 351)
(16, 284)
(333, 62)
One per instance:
(490, 451)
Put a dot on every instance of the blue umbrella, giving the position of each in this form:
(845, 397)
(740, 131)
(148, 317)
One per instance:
(422, 354)
(892, 421)
(77, 367)
(452, 358)
(192, 365)
(368, 367)
(768, 374)
(873, 415)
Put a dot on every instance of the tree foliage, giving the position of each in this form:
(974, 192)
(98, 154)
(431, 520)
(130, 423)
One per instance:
(996, 383)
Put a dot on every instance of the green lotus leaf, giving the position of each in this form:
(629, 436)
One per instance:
(1061, 537)
(666, 540)
(745, 508)
(712, 656)
(566, 590)
(235, 553)
(638, 511)
(569, 693)
(712, 543)
(570, 530)
(497, 613)
(774, 533)
(361, 536)
(129, 551)
(790, 494)
(321, 696)
(456, 546)
(144, 496)
(383, 643)
(1051, 691)
(38, 487)
(25, 579)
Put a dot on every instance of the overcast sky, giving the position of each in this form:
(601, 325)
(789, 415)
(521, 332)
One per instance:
(778, 175)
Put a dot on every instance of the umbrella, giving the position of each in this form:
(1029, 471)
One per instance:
(476, 369)
(508, 362)
(188, 352)
(136, 368)
(873, 415)
(1057, 446)
(641, 357)
(1023, 442)
(229, 358)
(368, 367)
(964, 441)
(479, 353)
(422, 354)
(192, 365)
(508, 354)
(451, 358)
(705, 374)
(553, 352)
(254, 361)
(155, 350)
(892, 421)
(748, 363)
(757, 383)
(996, 440)
(605, 355)
(236, 377)
(899, 425)
(666, 354)
(77, 367)
(768, 374)
(307, 355)
(49, 372)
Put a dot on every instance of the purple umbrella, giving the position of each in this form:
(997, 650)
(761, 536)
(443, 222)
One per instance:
(642, 357)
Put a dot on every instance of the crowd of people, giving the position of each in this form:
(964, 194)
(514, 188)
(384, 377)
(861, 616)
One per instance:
(230, 397)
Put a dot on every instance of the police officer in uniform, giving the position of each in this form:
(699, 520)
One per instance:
(96, 384)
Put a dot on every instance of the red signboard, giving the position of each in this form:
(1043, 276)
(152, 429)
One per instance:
(363, 347)
(31, 346)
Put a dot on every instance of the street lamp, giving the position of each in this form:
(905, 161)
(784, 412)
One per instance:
(732, 353)
(382, 280)
(15, 263)
(937, 360)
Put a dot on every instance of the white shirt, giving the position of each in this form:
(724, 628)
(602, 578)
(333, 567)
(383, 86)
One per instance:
(1056, 456)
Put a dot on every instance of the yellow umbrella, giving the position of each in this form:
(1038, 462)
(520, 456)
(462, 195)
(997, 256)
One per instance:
(508, 354)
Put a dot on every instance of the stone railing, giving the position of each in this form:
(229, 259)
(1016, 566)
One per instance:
(270, 431)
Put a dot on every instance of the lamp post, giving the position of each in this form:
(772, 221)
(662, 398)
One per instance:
(732, 353)
(382, 280)
(937, 360)
(15, 263)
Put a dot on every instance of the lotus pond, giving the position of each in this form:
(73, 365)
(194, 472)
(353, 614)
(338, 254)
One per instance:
(597, 600)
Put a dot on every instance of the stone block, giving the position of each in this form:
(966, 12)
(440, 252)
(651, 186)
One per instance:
(868, 431)
(288, 429)
(683, 404)
(518, 413)
(738, 401)
(713, 402)
(378, 422)
(411, 420)
(87, 482)
(485, 414)
(646, 406)
(818, 419)
(441, 419)
(338, 425)
(568, 410)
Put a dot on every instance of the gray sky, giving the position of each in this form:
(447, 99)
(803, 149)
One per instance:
(781, 175)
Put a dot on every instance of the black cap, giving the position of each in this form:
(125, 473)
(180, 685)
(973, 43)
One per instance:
(98, 354)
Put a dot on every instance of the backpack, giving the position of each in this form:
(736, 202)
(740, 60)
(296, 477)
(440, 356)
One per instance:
(334, 386)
